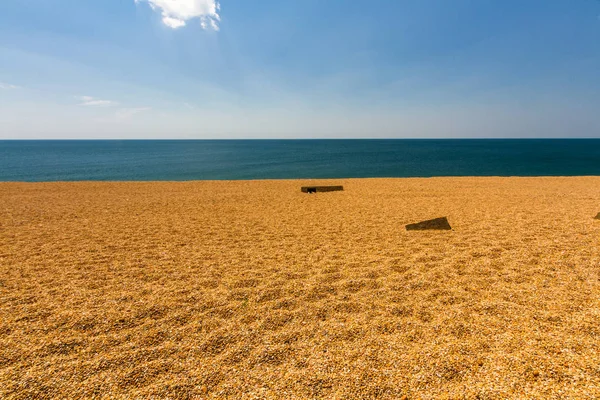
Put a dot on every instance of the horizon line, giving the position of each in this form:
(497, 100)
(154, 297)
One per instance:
(289, 139)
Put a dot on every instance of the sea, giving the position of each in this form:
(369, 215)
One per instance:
(182, 160)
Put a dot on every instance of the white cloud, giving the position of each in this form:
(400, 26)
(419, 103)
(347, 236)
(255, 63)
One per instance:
(176, 13)
(89, 101)
(7, 86)
(173, 22)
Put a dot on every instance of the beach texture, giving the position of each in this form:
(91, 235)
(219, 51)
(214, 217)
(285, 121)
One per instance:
(252, 290)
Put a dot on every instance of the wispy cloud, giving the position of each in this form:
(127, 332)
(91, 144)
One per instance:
(7, 86)
(126, 113)
(89, 101)
(176, 13)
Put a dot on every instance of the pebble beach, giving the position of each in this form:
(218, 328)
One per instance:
(255, 290)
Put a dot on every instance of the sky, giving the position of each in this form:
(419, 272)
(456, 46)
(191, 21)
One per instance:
(228, 69)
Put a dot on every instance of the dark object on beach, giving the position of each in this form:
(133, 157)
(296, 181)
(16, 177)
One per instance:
(597, 216)
(315, 189)
(438, 224)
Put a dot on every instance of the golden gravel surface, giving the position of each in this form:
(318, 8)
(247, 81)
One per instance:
(252, 290)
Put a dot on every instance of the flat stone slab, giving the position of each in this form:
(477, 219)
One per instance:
(317, 189)
(431, 224)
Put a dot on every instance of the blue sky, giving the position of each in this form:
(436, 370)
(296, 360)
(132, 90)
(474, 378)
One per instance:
(299, 69)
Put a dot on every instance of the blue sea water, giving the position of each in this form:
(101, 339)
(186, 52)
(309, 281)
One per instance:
(144, 160)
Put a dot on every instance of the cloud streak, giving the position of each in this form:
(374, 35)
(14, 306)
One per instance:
(176, 13)
(88, 101)
(7, 86)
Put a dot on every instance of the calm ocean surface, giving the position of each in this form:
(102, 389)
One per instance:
(276, 159)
